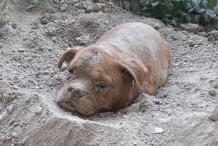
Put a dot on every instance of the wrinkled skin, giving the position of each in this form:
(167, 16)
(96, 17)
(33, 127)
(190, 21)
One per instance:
(130, 59)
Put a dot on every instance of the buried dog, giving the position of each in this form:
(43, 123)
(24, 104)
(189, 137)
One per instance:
(128, 60)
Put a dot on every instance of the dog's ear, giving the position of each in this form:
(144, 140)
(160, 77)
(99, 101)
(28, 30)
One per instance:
(69, 55)
(133, 70)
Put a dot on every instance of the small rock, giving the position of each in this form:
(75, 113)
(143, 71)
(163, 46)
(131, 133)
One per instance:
(156, 27)
(211, 39)
(21, 50)
(174, 38)
(214, 34)
(44, 21)
(134, 5)
(103, 8)
(63, 7)
(216, 86)
(214, 115)
(10, 109)
(96, 7)
(3, 138)
(1, 45)
(195, 41)
(133, 108)
(195, 28)
(126, 5)
(51, 31)
(202, 33)
(27, 101)
(158, 130)
(38, 110)
(3, 116)
(14, 134)
(14, 25)
(82, 39)
(46, 72)
(212, 92)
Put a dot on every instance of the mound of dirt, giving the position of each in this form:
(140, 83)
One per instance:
(29, 81)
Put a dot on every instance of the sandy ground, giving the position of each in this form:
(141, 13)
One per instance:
(31, 44)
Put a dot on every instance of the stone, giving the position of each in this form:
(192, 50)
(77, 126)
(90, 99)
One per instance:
(82, 39)
(103, 8)
(134, 5)
(63, 7)
(156, 27)
(51, 31)
(216, 86)
(133, 108)
(96, 7)
(3, 116)
(174, 38)
(211, 39)
(126, 5)
(212, 92)
(14, 25)
(195, 41)
(214, 115)
(213, 33)
(195, 28)
(44, 21)
(38, 110)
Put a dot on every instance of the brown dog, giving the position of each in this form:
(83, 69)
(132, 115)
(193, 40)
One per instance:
(128, 60)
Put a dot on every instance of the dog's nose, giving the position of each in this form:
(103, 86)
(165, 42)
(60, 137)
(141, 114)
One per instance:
(75, 91)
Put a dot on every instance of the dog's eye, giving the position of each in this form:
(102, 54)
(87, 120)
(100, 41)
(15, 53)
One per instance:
(101, 86)
(71, 71)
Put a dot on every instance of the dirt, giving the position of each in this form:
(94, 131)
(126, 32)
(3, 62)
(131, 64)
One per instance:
(32, 42)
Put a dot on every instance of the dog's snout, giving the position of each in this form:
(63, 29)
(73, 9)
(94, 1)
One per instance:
(76, 91)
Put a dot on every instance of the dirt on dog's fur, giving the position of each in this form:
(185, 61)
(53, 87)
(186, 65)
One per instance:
(30, 47)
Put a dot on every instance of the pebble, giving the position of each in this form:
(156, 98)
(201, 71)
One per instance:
(212, 92)
(194, 41)
(211, 39)
(46, 72)
(195, 28)
(126, 5)
(63, 7)
(216, 86)
(158, 130)
(51, 31)
(38, 110)
(10, 109)
(214, 115)
(44, 21)
(174, 38)
(14, 25)
(14, 134)
(82, 39)
(134, 108)
(3, 138)
(156, 27)
(1, 45)
(21, 50)
(96, 7)
(3, 116)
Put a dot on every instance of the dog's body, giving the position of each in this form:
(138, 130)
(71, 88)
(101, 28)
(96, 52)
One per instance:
(128, 60)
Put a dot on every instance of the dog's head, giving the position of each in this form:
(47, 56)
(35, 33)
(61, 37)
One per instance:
(98, 81)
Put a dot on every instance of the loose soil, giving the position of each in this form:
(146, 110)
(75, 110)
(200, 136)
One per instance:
(30, 79)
